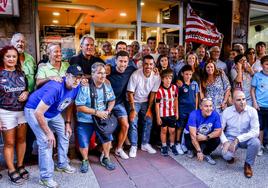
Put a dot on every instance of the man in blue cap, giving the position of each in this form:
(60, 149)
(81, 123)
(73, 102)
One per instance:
(43, 113)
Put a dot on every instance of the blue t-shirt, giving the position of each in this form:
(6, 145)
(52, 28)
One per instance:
(53, 94)
(260, 82)
(187, 98)
(112, 62)
(204, 125)
(83, 99)
(119, 82)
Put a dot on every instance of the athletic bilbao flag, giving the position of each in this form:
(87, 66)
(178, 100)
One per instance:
(201, 31)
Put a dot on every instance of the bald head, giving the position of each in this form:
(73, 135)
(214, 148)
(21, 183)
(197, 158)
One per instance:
(239, 100)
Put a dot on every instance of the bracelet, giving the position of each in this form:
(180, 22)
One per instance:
(69, 122)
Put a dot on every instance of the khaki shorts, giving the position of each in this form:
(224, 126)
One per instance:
(11, 119)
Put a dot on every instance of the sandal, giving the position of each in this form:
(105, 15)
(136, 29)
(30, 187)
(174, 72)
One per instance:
(24, 174)
(15, 178)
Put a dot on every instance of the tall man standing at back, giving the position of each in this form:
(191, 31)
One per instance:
(86, 58)
(142, 87)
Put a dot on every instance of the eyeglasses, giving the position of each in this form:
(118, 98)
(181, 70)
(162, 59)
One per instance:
(206, 99)
(243, 99)
(251, 53)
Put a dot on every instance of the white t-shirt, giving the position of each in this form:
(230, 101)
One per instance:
(141, 86)
(257, 66)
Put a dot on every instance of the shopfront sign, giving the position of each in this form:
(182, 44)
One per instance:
(59, 31)
(9, 7)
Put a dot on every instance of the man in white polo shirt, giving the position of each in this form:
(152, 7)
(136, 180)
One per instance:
(240, 127)
(142, 86)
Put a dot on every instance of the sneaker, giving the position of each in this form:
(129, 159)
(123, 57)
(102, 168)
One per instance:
(260, 152)
(164, 150)
(49, 183)
(84, 166)
(148, 148)
(101, 156)
(179, 149)
(108, 164)
(133, 151)
(209, 159)
(68, 169)
(120, 152)
(184, 148)
(190, 154)
(174, 150)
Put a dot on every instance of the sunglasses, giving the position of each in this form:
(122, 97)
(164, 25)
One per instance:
(206, 99)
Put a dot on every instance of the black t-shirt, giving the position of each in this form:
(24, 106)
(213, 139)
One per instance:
(12, 84)
(119, 82)
(85, 63)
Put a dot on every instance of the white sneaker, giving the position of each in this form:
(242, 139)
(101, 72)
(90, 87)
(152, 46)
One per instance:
(133, 151)
(179, 149)
(49, 183)
(184, 148)
(68, 169)
(260, 152)
(120, 152)
(148, 148)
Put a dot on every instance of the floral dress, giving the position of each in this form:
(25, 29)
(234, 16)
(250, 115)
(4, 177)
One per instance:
(217, 89)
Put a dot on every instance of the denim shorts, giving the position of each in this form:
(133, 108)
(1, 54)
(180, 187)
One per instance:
(84, 133)
(119, 110)
(263, 114)
(169, 121)
(11, 119)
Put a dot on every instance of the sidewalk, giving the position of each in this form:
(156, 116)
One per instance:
(145, 171)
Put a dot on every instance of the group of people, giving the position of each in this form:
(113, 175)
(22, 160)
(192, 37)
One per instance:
(190, 99)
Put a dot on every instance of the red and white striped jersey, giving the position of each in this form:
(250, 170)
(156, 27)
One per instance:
(166, 98)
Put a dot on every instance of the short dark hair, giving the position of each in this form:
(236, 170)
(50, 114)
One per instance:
(147, 57)
(260, 43)
(120, 43)
(150, 38)
(121, 53)
(238, 58)
(264, 59)
(186, 68)
(166, 72)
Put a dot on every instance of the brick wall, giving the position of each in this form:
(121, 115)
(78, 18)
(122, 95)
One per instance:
(24, 24)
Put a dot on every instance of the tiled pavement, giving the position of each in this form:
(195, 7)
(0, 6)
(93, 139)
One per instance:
(145, 171)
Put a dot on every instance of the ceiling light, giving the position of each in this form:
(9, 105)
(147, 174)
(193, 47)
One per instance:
(123, 14)
(142, 3)
(55, 21)
(55, 13)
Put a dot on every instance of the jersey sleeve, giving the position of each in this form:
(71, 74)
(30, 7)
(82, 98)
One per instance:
(192, 119)
(110, 93)
(158, 96)
(51, 91)
(217, 121)
(254, 80)
(83, 96)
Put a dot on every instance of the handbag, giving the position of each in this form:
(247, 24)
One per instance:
(105, 127)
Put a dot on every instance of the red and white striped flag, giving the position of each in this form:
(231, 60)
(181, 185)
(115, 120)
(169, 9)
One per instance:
(201, 31)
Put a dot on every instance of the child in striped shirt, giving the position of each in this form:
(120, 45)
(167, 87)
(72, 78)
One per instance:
(167, 111)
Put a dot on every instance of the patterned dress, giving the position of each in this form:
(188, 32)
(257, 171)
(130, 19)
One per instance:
(217, 89)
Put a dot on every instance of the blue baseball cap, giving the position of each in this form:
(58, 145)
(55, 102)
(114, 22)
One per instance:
(75, 70)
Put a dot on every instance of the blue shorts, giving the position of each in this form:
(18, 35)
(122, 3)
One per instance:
(182, 122)
(84, 133)
(263, 114)
(119, 110)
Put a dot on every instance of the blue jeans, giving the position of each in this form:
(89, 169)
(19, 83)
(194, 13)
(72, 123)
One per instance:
(252, 145)
(46, 163)
(141, 109)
